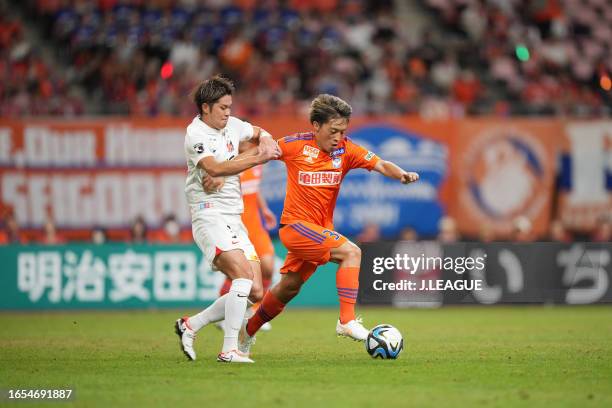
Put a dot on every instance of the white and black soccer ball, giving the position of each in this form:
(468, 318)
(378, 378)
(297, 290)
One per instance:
(384, 341)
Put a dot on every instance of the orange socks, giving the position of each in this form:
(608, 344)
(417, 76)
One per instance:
(270, 308)
(347, 282)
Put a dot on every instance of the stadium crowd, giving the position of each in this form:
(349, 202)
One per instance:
(142, 58)
(171, 232)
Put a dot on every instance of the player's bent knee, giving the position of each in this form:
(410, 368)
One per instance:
(348, 251)
(234, 265)
(238, 270)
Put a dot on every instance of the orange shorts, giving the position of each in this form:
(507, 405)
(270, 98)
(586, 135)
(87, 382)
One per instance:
(258, 235)
(309, 246)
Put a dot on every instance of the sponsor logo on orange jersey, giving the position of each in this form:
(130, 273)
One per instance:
(319, 178)
(311, 152)
(338, 152)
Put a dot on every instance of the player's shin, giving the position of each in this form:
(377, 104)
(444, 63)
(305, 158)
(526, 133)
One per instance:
(269, 308)
(211, 314)
(235, 306)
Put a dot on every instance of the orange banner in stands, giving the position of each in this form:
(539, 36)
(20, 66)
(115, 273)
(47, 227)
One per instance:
(498, 169)
(503, 169)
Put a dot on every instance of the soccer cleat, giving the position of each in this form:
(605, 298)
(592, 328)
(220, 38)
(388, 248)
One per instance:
(186, 336)
(244, 340)
(266, 327)
(233, 356)
(353, 329)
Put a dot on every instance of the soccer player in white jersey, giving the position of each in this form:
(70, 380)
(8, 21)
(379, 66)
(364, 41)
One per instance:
(212, 145)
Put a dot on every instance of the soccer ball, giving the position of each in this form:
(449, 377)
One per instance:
(384, 341)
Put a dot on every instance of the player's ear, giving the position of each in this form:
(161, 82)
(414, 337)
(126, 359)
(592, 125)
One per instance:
(316, 126)
(206, 108)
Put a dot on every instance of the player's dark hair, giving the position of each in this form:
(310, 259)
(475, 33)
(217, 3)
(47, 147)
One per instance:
(326, 107)
(211, 90)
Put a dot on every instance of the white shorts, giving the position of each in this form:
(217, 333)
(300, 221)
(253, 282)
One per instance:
(217, 233)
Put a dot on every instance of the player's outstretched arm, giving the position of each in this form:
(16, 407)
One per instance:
(239, 163)
(392, 170)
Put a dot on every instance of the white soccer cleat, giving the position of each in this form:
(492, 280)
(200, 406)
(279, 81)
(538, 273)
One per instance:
(233, 356)
(266, 326)
(353, 329)
(244, 340)
(186, 336)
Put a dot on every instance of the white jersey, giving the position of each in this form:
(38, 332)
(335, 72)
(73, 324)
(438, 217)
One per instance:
(200, 141)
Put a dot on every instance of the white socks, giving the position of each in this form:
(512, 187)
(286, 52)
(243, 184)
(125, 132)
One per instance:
(235, 305)
(211, 314)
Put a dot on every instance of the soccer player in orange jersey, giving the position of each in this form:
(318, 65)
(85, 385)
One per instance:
(257, 226)
(317, 162)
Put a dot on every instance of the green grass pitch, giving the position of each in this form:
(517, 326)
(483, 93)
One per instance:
(453, 357)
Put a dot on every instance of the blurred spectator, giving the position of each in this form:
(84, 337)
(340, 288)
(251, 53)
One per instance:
(13, 234)
(138, 231)
(603, 230)
(50, 234)
(466, 88)
(408, 234)
(98, 236)
(558, 232)
(486, 234)
(171, 231)
(521, 229)
(370, 233)
(3, 236)
(448, 231)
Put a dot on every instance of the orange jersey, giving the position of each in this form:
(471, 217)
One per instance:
(314, 177)
(249, 182)
(258, 235)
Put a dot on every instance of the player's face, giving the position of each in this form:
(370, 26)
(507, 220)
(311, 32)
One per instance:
(218, 115)
(330, 134)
